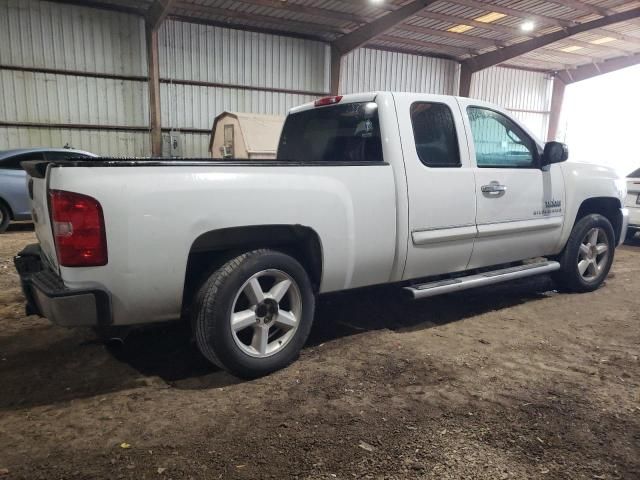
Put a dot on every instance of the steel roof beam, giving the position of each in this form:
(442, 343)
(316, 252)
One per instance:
(371, 30)
(503, 54)
(591, 70)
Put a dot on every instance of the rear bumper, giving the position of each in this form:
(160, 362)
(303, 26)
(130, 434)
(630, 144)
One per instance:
(48, 296)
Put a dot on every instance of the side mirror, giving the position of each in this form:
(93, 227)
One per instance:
(554, 152)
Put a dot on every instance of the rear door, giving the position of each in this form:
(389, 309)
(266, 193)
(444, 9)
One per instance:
(519, 205)
(441, 186)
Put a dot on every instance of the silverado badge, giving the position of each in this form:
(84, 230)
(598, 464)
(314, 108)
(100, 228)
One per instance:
(550, 206)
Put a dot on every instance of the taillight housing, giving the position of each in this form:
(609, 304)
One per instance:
(78, 229)
(322, 102)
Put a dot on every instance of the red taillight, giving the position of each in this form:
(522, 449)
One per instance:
(78, 229)
(321, 102)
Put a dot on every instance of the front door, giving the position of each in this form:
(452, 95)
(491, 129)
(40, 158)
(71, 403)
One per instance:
(519, 205)
(441, 187)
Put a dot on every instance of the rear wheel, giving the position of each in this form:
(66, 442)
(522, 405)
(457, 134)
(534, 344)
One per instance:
(253, 315)
(5, 217)
(588, 255)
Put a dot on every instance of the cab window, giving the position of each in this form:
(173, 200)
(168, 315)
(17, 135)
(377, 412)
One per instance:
(499, 142)
(434, 132)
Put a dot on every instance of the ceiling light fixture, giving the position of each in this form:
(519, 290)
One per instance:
(602, 40)
(490, 17)
(571, 48)
(527, 26)
(459, 28)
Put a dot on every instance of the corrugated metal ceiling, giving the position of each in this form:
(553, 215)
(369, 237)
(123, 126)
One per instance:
(427, 32)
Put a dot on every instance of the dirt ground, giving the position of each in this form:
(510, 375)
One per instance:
(515, 381)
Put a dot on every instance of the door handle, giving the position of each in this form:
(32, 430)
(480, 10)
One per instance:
(493, 188)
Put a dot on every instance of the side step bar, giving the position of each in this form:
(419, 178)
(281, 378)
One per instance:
(432, 289)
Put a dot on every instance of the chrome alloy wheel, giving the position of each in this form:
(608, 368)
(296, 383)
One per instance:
(593, 254)
(266, 313)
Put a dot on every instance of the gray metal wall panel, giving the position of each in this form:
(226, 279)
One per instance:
(195, 145)
(111, 143)
(517, 90)
(367, 69)
(191, 106)
(219, 55)
(45, 97)
(37, 34)
(69, 37)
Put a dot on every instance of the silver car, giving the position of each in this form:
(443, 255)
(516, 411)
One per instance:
(14, 197)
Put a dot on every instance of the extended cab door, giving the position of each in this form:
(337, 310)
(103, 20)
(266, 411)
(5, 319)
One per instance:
(519, 205)
(440, 182)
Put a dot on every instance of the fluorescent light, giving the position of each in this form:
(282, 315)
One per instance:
(571, 48)
(459, 28)
(490, 17)
(602, 40)
(527, 26)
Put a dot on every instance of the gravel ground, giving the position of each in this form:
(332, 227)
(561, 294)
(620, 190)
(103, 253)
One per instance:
(515, 381)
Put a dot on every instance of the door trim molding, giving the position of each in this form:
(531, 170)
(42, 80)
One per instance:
(519, 226)
(439, 235)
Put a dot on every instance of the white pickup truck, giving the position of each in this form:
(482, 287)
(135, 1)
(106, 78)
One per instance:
(432, 193)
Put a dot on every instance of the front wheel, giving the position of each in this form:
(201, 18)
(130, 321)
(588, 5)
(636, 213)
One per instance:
(254, 314)
(588, 255)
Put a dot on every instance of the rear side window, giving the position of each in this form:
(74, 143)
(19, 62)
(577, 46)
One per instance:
(634, 174)
(348, 133)
(434, 132)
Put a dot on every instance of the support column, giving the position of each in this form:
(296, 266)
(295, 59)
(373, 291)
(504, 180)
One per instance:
(556, 107)
(336, 61)
(465, 80)
(154, 91)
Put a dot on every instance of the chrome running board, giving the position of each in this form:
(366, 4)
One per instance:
(449, 285)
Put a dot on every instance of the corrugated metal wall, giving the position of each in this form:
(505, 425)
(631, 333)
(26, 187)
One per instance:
(367, 69)
(204, 70)
(241, 76)
(526, 94)
(41, 35)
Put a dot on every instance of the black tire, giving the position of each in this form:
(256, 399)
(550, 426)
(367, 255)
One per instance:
(5, 217)
(568, 277)
(213, 307)
(631, 236)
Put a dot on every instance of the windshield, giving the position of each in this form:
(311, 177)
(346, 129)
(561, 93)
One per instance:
(341, 133)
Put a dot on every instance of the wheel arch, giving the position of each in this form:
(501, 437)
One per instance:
(212, 249)
(608, 207)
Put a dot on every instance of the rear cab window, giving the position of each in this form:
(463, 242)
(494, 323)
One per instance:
(345, 133)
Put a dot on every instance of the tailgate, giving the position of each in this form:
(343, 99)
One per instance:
(37, 181)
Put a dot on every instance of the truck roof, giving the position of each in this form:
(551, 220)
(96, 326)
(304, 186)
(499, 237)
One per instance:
(365, 97)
